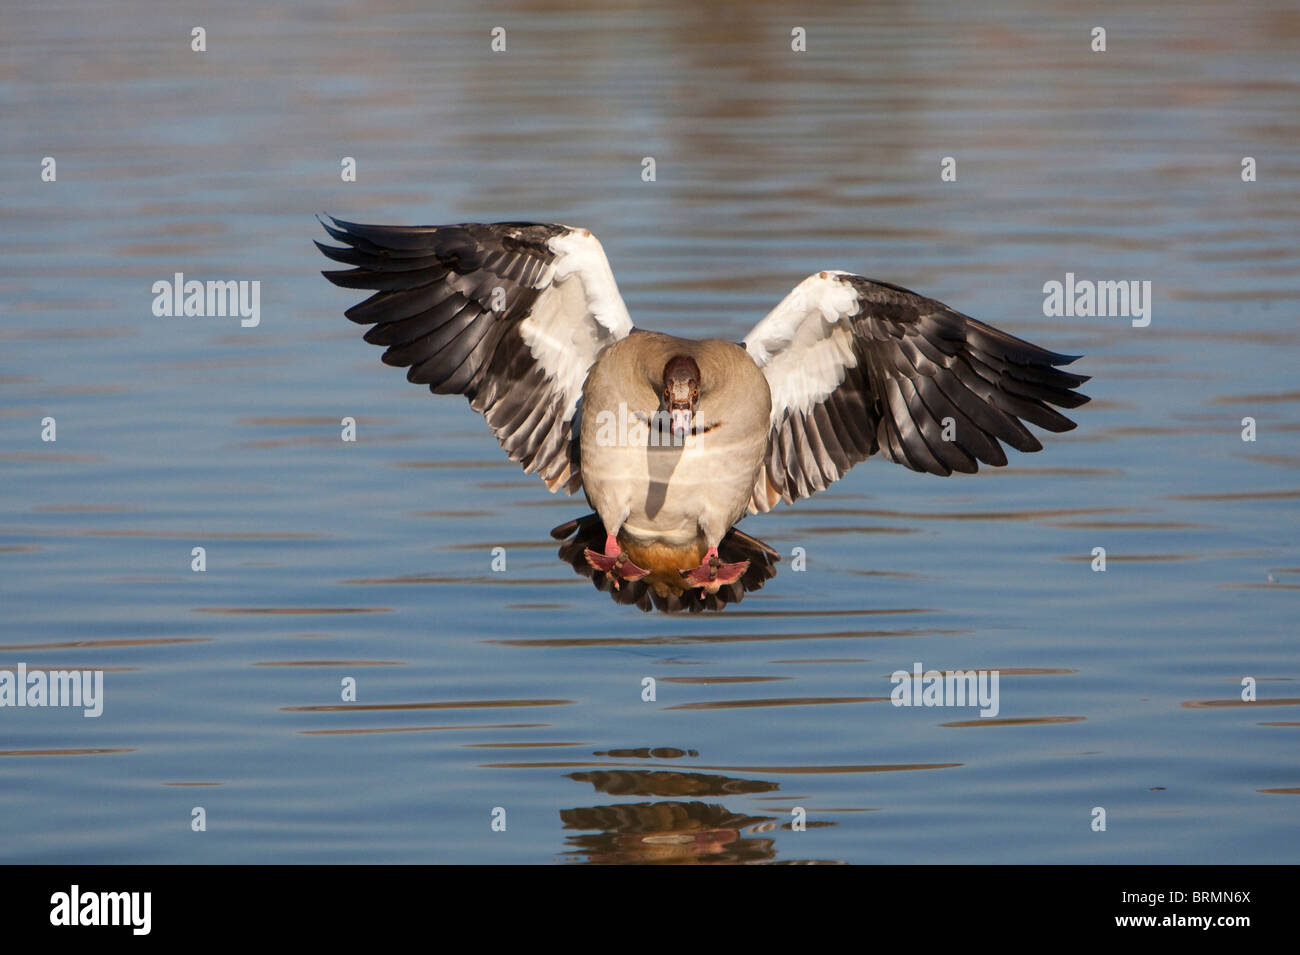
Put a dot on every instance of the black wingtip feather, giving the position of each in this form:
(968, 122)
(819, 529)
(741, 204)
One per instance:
(924, 363)
(432, 309)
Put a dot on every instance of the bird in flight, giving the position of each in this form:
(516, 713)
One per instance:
(674, 440)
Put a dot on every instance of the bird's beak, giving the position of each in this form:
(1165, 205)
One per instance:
(680, 420)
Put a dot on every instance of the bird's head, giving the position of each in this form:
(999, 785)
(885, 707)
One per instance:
(681, 394)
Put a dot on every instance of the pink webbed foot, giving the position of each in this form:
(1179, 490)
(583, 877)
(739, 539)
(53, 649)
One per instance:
(713, 574)
(614, 562)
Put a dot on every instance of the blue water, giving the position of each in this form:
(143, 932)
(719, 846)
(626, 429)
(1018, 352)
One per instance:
(371, 560)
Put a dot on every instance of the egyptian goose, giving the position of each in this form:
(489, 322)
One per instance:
(674, 440)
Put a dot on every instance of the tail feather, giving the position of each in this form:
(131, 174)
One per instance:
(589, 532)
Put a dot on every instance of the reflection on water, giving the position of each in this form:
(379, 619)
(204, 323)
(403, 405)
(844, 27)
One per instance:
(672, 831)
(60, 752)
(367, 567)
(438, 705)
(424, 729)
(1018, 721)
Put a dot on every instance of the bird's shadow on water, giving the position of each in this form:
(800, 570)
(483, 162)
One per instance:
(656, 592)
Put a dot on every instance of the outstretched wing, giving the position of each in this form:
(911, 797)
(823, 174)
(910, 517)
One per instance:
(857, 366)
(510, 315)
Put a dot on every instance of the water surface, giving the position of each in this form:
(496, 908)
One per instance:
(523, 689)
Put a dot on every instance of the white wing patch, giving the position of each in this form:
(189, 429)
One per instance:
(803, 360)
(564, 340)
(577, 316)
(581, 255)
